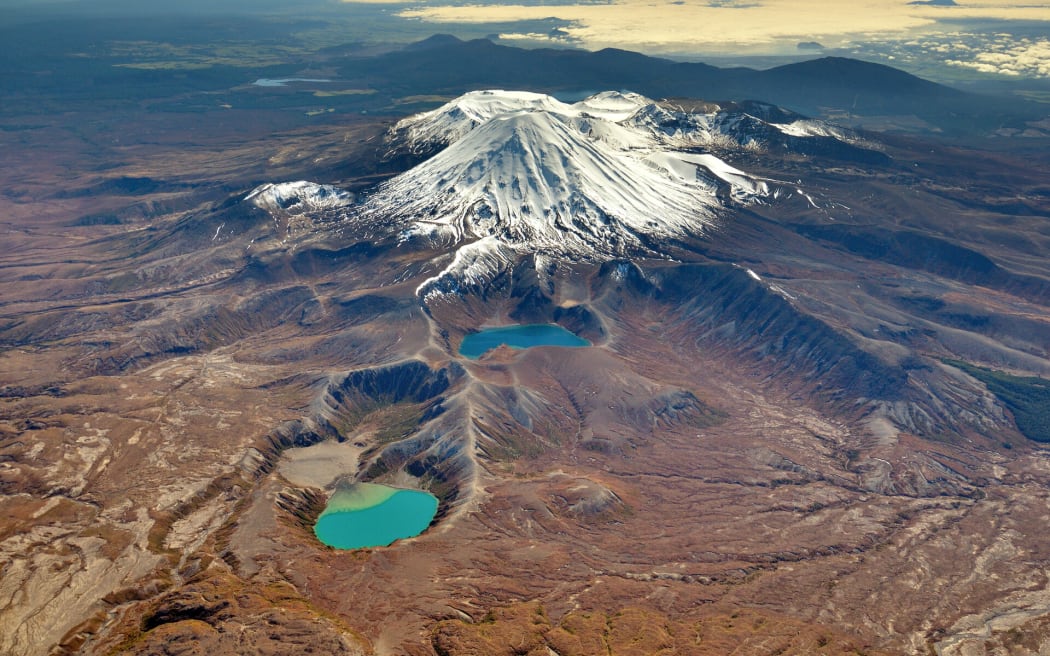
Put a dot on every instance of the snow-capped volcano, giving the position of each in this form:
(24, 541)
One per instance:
(545, 180)
(525, 173)
(518, 173)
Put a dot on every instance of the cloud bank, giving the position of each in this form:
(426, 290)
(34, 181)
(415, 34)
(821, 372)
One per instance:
(1014, 58)
(679, 26)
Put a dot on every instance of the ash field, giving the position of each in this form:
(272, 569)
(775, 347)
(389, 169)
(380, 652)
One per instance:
(811, 419)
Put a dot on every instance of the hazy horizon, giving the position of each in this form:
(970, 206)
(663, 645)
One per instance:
(992, 40)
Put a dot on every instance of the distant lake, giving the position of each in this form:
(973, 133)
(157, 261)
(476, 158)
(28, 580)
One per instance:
(476, 344)
(283, 82)
(370, 515)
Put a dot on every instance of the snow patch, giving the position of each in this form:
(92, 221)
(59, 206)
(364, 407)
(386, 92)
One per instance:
(298, 197)
(809, 128)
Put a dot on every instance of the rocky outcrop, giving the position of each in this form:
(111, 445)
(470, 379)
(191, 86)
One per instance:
(726, 309)
(412, 381)
(923, 252)
(525, 628)
(219, 615)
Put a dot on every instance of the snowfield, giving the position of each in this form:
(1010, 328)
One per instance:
(298, 197)
(519, 173)
(612, 175)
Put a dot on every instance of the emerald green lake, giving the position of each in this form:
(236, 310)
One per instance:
(371, 515)
(476, 344)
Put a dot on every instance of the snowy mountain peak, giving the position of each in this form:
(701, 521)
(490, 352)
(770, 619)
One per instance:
(518, 173)
(573, 184)
(604, 177)
(452, 121)
(751, 125)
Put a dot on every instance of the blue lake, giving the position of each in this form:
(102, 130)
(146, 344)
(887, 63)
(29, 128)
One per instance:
(476, 344)
(370, 515)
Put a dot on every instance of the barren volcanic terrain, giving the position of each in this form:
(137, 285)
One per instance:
(810, 420)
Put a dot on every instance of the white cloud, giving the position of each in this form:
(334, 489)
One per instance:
(697, 25)
(711, 26)
(1026, 57)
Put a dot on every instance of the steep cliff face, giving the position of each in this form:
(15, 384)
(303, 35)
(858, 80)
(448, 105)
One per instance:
(755, 322)
(725, 306)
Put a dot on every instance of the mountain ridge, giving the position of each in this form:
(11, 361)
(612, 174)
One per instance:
(854, 87)
(611, 175)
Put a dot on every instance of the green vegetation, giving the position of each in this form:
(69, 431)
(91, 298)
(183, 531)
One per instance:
(153, 55)
(1028, 398)
(398, 421)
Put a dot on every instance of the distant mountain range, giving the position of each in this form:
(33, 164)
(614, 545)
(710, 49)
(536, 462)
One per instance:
(846, 89)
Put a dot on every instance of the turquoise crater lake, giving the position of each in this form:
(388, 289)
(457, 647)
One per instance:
(370, 515)
(476, 344)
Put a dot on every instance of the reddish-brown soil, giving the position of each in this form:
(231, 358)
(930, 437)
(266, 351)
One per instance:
(679, 488)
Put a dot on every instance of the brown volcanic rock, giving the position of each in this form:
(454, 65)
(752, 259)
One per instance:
(635, 631)
(219, 615)
(736, 465)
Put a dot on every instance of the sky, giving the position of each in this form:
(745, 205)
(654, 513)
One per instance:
(965, 39)
(683, 25)
(974, 36)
